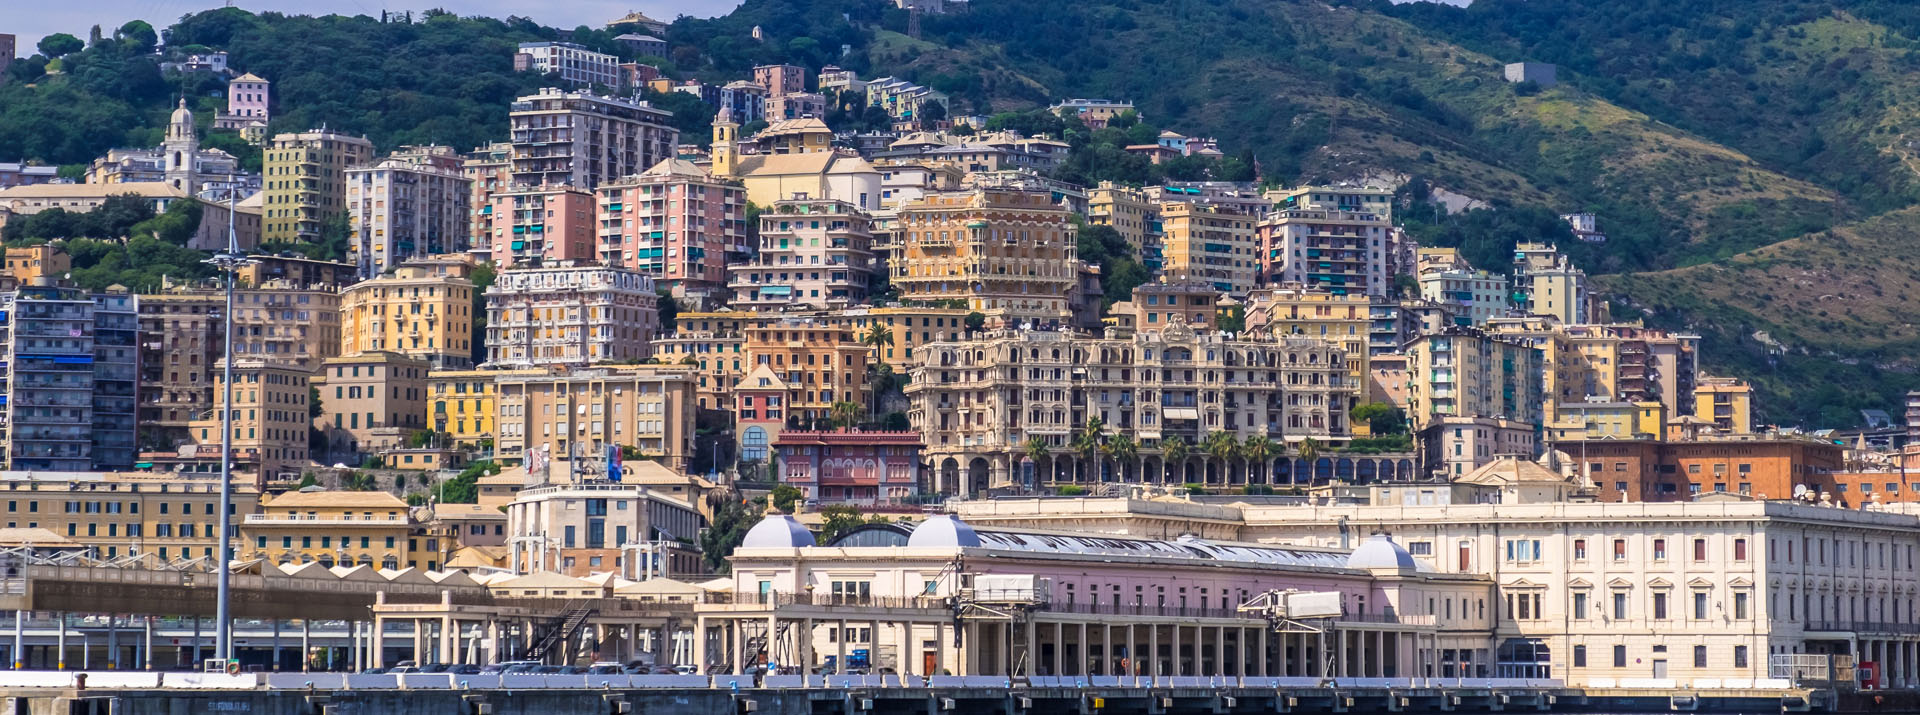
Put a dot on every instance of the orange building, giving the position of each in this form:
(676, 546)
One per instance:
(534, 224)
(1753, 465)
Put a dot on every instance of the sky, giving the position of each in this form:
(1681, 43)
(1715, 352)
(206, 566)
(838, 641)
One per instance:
(75, 18)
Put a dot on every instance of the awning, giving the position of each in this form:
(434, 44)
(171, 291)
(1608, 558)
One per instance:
(1183, 413)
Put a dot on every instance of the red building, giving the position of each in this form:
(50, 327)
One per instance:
(864, 468)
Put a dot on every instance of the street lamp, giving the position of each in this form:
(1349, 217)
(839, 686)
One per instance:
(228, 262)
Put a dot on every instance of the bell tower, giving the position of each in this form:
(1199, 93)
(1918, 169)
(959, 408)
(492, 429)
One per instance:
(726, 134)
(180, 149)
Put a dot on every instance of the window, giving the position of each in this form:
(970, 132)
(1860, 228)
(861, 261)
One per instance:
(1619, 549)
(1579, 656)
(1740, 605)
(1739, 549)
(1524, 550)
(1739, 656)
(1619, 656)
(1579, 549)
(1660, 606)
(1580, 604)
(1699, 656)
(1699, 549)
(1659, 549)
(1619, 604)
(1699, 605)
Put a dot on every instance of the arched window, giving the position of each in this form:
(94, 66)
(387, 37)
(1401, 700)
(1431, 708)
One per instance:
(753, 444)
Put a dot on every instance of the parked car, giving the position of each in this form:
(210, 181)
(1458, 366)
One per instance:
(516, 666)
(405, 666)
(464, 669)
(665, 670)
(686, 670)
(374, 671)
(435, 668)
(573, 670)
(606, 669)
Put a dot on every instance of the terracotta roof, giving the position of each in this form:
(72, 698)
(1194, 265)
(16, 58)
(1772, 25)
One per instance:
(35, 536)
(146, 189)
(466, 511)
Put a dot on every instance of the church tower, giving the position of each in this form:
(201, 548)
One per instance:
(726, 134)
(180, 149)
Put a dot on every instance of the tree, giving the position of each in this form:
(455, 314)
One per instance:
(785, 496)
(1223, 446)
(1087, 442)
(482, 277)
(1381, 418)
(1037, 449)
(1122, 450)
(420, 438)
(669, 310)
(59, 45)
(138, 37)
(307, 480)
(464, 488)
(1258, 448)
(1070, 490)
(838, 519)
(1173, 455)
(844, 414)
(877, 336)
(976, 321)
(360, 482)
(731, 520)
(1306, 452)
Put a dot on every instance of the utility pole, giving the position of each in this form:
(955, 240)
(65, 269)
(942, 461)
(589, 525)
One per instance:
(228, 262)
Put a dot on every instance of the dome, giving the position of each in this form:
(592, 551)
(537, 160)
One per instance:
(945, 530)
(1379, 552)
(777, 531)
(182, 115)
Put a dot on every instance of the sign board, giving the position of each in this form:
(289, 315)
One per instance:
(1323, 604)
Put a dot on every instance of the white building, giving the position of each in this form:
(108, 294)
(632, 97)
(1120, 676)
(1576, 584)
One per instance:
(574, 64)
(582, 140)
(412, 204)
(570, 315)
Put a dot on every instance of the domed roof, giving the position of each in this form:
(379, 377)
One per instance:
(182, 115)
(945, 530)
(1379, 552)
(777, 531)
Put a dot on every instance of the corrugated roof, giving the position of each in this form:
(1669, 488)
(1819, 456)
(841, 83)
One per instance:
(1185, 548)
(335, 499)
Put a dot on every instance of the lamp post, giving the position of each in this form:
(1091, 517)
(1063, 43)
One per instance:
(229, 263)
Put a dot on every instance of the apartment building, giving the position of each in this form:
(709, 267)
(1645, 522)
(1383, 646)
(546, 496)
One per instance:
(1095, 113)
(902, 99)
(539, 225)
(1476, 295)
(571, 63)
(1156, 305)
(329, 528)
(72, 365)
(1546, 283)
(1345, 319)
(1467, 372)
(978, 402)
(1762, 465)
(181, 338)
(1726, 402)
(1007, 254)
(1352, 199)
(171, 518)
(1454, 446)
(580, 412)
(676, 223)
(909, 327)
(294, 271)
(1204, 243)
(861, 468)
(489, 169)
(462, 403)
(816, 253)
(272, 413)
(1340, 251)
(570, 315)
(781, 79)
(1129, 213)
(421, 309)
(371, 402)
(582, 140)
(799, 368)
(719, 355)
(306, 182)
(410, 205)
(249, 97)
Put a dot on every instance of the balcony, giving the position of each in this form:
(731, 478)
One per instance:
(323, 520)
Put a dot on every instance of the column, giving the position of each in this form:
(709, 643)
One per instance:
(192, 662)
(20, 639)
(1059, 648)
(276, 646)
(147, 652)
(1153, 652)
(60, 661)
(840, 649)
(700, 634)
(447, 635)
(1264, 673)
(1219, 650)
(377, 643)
(1177, 669)
(306, 644)
(1082, 652)
(739, 645)
(1133, 656)
(113, 642)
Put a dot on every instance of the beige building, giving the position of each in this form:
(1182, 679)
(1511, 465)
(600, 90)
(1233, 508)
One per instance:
(977, 403)
(1131, 215)
(421, 308)
(170, 518)
(371, 402)
(1323, 246)
(1466, 372)
(815, 253)
(585, 527)
(1548, 284)
(330, 528)
(1206, 243)
(570, 315)
(1007, 254)
(1157, 305)
(1297, 310)
(461, 403)
(271, 416)
(582, 140)
(584, 411)
(1727, 402)
(306, 182)
(180, 340)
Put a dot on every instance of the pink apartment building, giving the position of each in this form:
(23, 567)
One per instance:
(676, 223)
(540, 224)
(247, 97)
(851, 467)
(780, 80)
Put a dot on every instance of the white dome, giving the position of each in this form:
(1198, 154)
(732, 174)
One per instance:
(1379, 552)
(182, 115)
(778, 531)
(945, 530)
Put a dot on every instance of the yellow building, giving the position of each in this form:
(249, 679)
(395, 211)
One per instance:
(423, 309)
(1600, 419)
(1205, 243)
(332, 528)
(1008, 254)
(270, 415)
(1342, 319)
(1131, 214)
(822, 362)
(795, 136)
(169, 517)
(460, 403)
(910, 327)
(719, 355)
(305, 177)
(1727, 402)
(1546, 283)
(29, 262)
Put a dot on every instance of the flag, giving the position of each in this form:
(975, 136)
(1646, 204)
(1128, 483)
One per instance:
(613, 463)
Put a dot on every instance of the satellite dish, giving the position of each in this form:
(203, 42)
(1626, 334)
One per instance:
(1799, 491)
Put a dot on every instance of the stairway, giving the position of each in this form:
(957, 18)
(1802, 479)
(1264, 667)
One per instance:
(559, 633)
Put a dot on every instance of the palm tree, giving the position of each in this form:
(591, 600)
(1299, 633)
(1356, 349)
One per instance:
(1308, 450)
(844, 414)
(1037, 449)
(1258, 448)
(1087, 443)
(1222, 446)
(1173, 452)
(1121, 449)
(877, 337)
